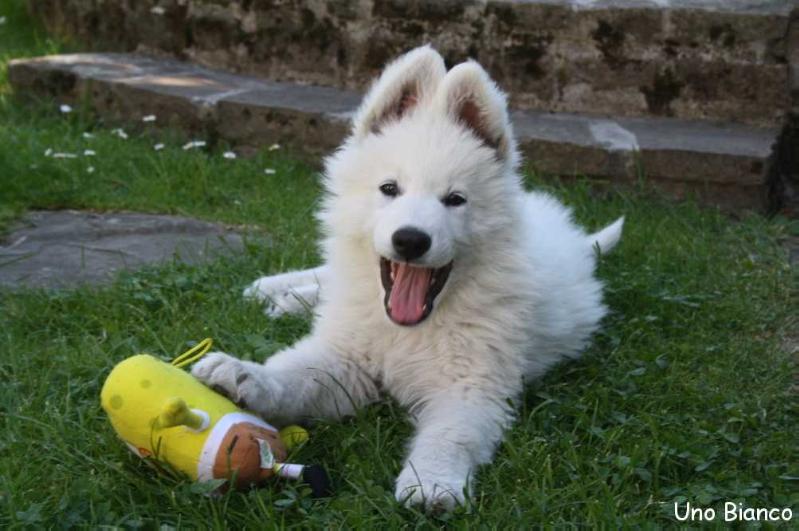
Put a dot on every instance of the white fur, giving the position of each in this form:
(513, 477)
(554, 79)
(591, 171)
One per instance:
(521, 296)
(291, 292)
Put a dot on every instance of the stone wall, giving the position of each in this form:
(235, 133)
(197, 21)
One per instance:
(725, 60)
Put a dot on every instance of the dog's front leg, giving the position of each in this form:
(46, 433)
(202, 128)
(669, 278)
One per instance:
(293, 292)
(305, 381)
(455, 433)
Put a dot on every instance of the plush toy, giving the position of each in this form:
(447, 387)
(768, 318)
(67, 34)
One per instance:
(163, 412)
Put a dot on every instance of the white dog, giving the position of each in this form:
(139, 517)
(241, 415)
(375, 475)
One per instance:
(445, 284)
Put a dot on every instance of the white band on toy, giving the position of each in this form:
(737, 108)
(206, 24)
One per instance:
(291, 471)
(205, 467)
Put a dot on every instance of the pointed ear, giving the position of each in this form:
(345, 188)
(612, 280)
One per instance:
(471, 98)
(403, 85)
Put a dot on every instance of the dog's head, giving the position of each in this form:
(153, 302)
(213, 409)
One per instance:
(425, 177)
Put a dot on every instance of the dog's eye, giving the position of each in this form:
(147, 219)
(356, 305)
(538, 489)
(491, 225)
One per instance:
(454, 199)
(389, 189)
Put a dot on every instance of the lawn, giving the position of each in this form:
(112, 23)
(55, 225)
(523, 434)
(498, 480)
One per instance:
(685, 394)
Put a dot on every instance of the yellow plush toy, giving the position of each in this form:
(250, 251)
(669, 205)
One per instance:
(163, 412)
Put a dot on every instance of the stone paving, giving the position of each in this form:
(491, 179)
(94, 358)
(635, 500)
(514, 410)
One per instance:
(58, 249)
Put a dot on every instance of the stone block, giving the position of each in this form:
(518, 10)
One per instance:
(676, 155)
(309, 118)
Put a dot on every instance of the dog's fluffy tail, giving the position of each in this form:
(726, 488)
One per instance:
(607, 238)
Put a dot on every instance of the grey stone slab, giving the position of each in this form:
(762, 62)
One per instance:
(177, 78)
(646, 134)
(57, 249)
(69, 75)
(333, 102)
(702, 137)
(129, 86)
(664, 149)
(311, 119)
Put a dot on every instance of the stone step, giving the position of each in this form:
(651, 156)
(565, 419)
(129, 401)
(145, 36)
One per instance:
(723, 164)
(724, 60)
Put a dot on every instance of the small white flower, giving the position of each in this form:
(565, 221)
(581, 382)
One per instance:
(274, 147)
(48, 152)
(193, 144)
(158, 147)
(229, 155)
(90, 169)
(64, 108)
(89, 153)
(148, 118)
(120, 133)
(64, 156)
(88, 135)
(270, 171)
(2, 20)
(157, 10)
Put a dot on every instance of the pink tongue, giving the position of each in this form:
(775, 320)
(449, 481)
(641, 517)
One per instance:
(409, 293)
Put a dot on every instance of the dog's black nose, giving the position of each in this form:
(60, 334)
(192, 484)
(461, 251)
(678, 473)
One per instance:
(410, 243)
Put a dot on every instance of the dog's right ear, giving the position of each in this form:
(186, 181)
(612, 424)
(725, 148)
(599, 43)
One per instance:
(403, 85)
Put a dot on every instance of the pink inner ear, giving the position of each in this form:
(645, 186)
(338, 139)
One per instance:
(471, 116)
(407, 100)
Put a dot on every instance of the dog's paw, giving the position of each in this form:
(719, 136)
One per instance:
(262, 289)
(267, 290)
(240, 382)
(434, 493)
(285, 303)
(278, 297)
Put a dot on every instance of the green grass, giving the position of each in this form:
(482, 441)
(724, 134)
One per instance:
(685, 394)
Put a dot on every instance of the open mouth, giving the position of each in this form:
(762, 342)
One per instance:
(411, 290)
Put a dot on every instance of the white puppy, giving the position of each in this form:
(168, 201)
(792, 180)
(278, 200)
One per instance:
(445, 284)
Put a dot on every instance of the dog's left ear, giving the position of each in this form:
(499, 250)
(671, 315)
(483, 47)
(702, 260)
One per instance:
(404, 85)
(469, 96)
